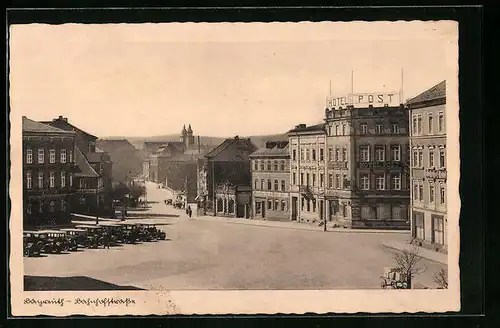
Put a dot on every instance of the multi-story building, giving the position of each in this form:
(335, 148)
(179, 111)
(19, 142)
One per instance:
(48, 171)
(307, 172)
(366, 165)
(270, 166)
(428, 167)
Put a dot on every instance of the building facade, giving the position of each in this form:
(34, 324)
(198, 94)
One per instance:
(428, 167)
(48, 173)
(367, 168)
(270, 167)
(307, 172)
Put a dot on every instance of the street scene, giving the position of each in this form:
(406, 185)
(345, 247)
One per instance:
(204, 161)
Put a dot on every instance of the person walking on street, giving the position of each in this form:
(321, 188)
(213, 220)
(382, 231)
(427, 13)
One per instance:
(190, 212)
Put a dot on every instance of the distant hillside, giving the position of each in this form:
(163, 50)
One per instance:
(258, 140)
(127, 161)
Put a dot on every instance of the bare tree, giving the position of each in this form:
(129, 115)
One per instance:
(407, 262)
(441, 279)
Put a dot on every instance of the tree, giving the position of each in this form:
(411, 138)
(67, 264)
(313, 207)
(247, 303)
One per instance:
(441, 279)
(407, 262)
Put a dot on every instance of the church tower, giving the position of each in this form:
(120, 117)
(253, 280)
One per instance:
(183, 138)
(190, 137)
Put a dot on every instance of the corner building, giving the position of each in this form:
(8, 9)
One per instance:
(366, 168)
(428, 168)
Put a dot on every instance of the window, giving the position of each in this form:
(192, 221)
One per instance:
(63, 179)
(52, 179)
(321, 154)
(71, 180)
(269, 166)
(396, 153)
(430, 121)
(41, 155)
(420, 192)
(256, 165)
(330, 180)
(29, 156)
(262, 165)
(283, 205)
(364, 129)
(441, 122)
(302, 179)
(314, 180)
(40, 180)
(302, 154)
(257, 207)
(269, 186)
(379, 153)
(28, 208)
(330, 154)
(337, 151)
(314, 154)
(275, 166)
(431, 157)
(282, 165)
(329, 130)
(256, 184)
(308, 204)
(414, 127)
(52, 156)
(276, 205)
(379, 129)
(294, 155)
(337, 130)
(415, 190)
(396, 182)
(415, 158)
(71, 155)
(82, 183)
(52, 206)
(262, 183)
(419, 225)
(343, 130)
(276, 185)
(441, 158)
(307, 179)
(283, 185)
(365, 153)
(302, 203)
(431, 194)
(63, 205)
(308, 155)
(419, 124)
(314, 205)
(395, 128)
(442, 195)
(321, 180)
(337, 181)
(28, 180)
(380, 182)
(63, 156)
(344, 181)
(269, 204)
(344, 154)
(365, 182)
(420, 158)
(437, 229)
(294, 181)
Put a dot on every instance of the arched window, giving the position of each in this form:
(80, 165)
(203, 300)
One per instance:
(276, 186)
(269, 166)
(269, 187)
(275, 166)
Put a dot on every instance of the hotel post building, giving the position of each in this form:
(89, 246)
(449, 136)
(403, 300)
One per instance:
(367, 161)
(428, 167)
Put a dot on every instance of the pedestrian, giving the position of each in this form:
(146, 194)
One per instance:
(106, 240)
(190, 212)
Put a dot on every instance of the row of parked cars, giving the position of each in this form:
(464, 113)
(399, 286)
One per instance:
(88, 236)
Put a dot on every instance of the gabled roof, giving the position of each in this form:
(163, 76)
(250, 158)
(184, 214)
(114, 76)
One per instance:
(33, 126)
(436, 92)
(312, 128)
(228, 142)
(86, 170)
(62, 123)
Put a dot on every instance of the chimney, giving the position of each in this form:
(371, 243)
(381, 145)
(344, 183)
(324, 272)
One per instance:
(236, 137)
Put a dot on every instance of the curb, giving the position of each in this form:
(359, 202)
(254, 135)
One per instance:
(429, 258)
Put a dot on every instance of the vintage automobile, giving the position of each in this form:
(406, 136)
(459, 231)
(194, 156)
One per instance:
(94, 235)
(47, 244)
(67, 244)
(114, 231)
(130, 232)
(393, 278)
(31, 246)
(153, 232)
(78, 236)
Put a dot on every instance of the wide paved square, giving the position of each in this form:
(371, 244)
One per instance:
(205, 254)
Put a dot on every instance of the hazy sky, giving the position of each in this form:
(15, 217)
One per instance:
(224, 79)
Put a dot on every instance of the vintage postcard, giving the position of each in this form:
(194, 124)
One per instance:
(226, 168)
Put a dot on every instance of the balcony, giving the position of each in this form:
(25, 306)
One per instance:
(338, 165)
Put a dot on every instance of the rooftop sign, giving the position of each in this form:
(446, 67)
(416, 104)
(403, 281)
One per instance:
(376, 99)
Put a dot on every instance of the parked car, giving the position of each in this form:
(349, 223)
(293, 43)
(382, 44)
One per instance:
(78, 236)
(67, 244)
(31, 246)
(94, 235)
(49, 244)
(153, 232)
(115, 232)
(130, 232)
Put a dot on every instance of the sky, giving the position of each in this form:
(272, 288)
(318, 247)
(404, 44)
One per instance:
(223, 79)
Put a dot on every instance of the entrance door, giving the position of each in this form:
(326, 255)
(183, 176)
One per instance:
(263, 204)
(321, 210)
(294, 208)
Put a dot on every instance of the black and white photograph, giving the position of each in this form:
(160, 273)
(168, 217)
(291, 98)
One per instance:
(205, 167)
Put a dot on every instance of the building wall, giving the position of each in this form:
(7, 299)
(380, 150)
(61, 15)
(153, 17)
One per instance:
(48, 203)
(429, 206)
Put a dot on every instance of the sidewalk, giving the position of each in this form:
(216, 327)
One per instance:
(290, 225)
(425, 253)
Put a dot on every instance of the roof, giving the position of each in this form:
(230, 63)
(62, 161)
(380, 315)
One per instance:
(436, 92)
(86, 170)
(62, 123)
(310, 128)
(183, 158)
(228, 142)
(33, 126)
(97, 157)
(272, 152)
